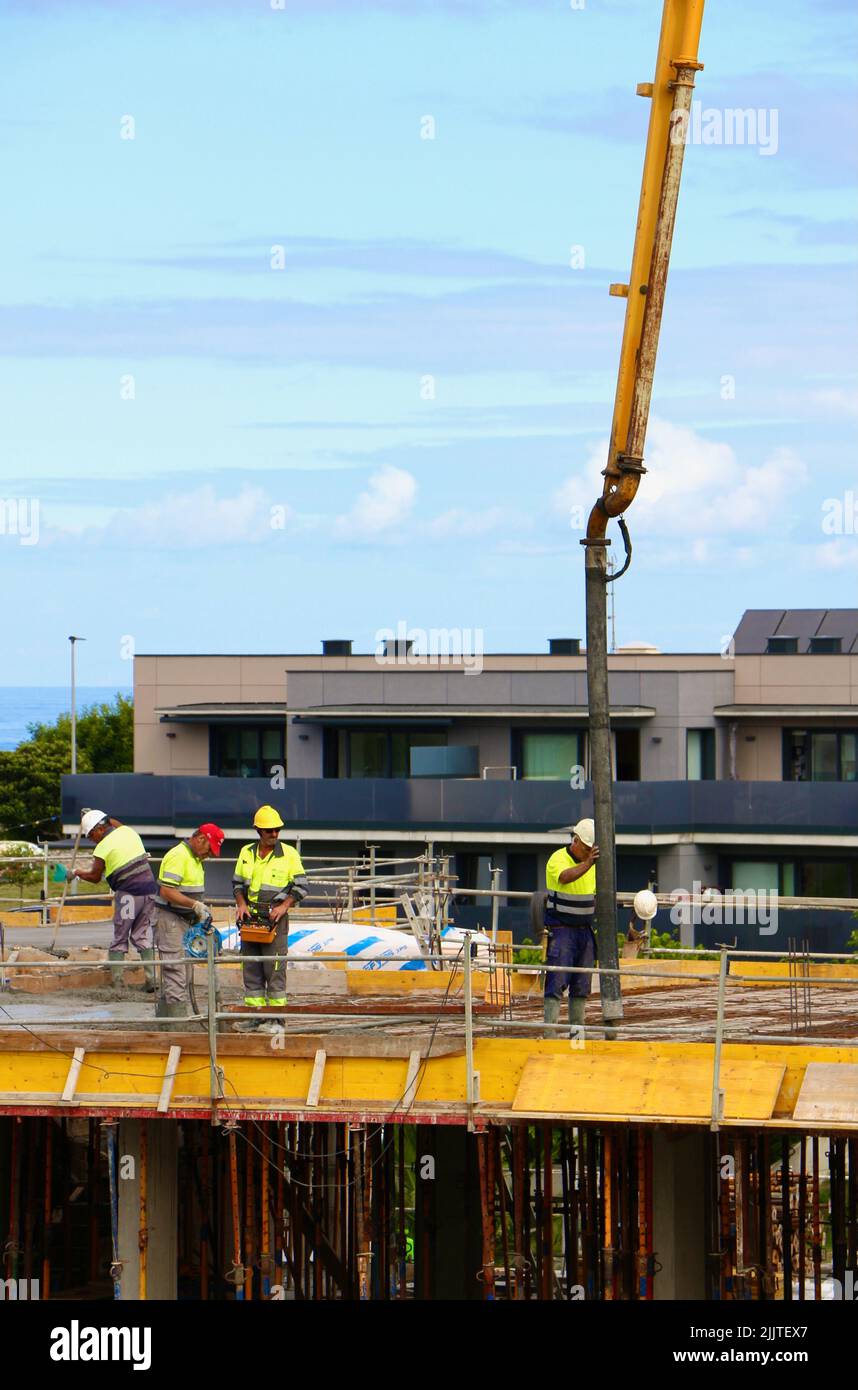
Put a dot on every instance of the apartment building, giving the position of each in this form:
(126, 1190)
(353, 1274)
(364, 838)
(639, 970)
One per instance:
(734, 769)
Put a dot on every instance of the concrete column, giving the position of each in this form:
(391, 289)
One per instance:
(679, 1214)
(681, 866)
(448, 1230)
(161, 1204)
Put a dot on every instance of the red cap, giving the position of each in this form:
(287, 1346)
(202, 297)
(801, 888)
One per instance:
(214, 835)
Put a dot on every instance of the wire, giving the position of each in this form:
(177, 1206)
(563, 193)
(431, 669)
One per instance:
(94, 1066)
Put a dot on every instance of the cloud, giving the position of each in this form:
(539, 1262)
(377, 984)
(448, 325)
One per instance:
(840, 554)
(403, 256)
(841, 402)
(193, 520)
(458, 523)
(385, 505)
(694, 489)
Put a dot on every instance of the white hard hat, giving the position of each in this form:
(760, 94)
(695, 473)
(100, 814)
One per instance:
(646, 905)
(90, 819)
(586, 832)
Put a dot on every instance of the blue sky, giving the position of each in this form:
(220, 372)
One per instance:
(167, 391)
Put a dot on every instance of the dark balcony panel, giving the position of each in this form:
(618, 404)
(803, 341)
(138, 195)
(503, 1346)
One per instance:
(457, 760)
(437, 804)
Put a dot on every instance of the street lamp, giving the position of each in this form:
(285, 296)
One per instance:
(72, 640)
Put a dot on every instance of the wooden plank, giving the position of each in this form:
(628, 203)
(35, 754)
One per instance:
(829, 1091)
(685, 1088)
(74, 1072)
(317, 1078)
(585, 1084)
(338, 1044)
(582, 1084)
(411, 1077)
(169, 1077)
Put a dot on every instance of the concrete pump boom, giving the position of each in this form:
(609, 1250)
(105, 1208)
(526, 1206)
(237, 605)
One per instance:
(670, 93)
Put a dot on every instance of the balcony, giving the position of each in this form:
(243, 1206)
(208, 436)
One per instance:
(436, 804)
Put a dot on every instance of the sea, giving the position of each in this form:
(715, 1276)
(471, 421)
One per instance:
(21, 705)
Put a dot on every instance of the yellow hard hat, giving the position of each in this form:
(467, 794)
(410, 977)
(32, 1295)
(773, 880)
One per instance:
(267, 818)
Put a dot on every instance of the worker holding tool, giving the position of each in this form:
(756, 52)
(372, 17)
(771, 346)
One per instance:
(570, 905)
(268, 880)
(181, 886)
(121, 858)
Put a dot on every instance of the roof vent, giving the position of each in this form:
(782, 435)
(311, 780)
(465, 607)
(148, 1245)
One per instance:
(397, 647)
(782, 646)
(336, 647)
(636, 649)
(564, 646)
(827, 646)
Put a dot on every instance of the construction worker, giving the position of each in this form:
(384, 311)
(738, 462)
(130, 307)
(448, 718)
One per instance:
(181, 886)
(121, 858)
(268, 880)
(570, 906)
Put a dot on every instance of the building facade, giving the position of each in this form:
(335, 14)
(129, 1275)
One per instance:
(734, 769)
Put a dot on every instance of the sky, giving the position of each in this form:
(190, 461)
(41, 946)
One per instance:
(305, 326)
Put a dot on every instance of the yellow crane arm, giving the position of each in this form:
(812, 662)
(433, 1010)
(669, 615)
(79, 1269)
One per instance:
(670, 93)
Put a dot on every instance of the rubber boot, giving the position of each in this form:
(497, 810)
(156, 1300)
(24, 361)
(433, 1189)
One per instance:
(576, 1016)
(117, 976)
(173, 1013)
(551, 1014)
(147, 955)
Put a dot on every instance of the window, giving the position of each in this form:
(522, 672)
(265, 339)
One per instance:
(820, 755)
(550, 756)
(627, 755)
(377, 752)
(760, 876)
(248, 751)
(700, 755)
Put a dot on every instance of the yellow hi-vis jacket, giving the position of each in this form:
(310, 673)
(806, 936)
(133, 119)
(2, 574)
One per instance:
(270, 880)
(569, 904)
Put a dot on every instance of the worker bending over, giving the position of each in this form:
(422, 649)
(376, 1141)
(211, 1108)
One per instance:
(268, 880)
(181, 887)
(121, 858)
(570, 878)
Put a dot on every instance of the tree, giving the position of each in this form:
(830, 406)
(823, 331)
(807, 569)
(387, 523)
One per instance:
(30, 774)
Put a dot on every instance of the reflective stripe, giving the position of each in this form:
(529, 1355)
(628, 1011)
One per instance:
(574, 907)
(270, 880)
(180, 868)
(124, 856)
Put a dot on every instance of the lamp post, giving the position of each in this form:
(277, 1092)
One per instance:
(72, 641)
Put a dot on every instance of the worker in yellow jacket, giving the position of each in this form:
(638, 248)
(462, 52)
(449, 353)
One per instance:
(570, 907)
(120, 857)
(268, 879)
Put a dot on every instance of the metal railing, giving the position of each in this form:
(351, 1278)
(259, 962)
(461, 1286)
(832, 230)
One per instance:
(467, 964)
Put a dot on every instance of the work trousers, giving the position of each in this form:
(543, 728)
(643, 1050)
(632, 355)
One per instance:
(169, 930)
(272, 970)
(133, 919)
(569, 946)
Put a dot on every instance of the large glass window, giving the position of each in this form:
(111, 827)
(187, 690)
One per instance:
(377, 752)
(247, 751)
(820, 755)
(700, 755)
(551, 756)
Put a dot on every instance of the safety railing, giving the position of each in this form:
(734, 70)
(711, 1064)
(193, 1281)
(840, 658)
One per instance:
(462, 969)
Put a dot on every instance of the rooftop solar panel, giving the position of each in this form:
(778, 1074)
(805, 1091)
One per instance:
(842, 623)
(755, 629)
(802, 623)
